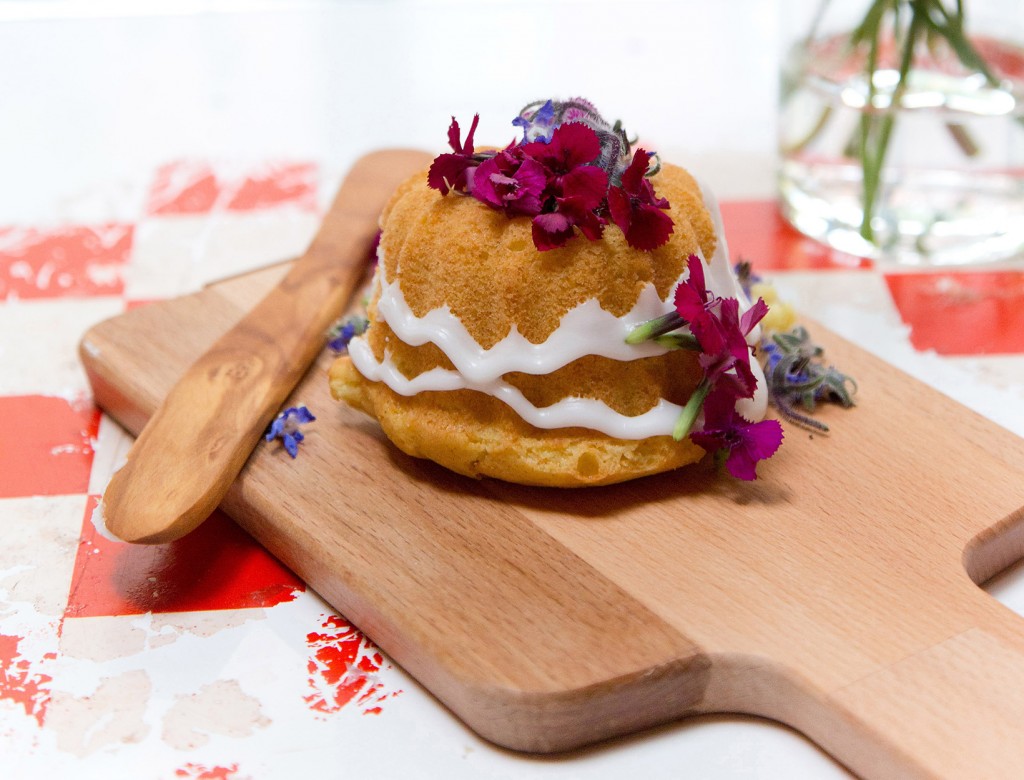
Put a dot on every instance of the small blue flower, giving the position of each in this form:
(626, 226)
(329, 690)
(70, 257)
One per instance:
(798, 376)
(538, 125)
(286, 427)
(345, 330)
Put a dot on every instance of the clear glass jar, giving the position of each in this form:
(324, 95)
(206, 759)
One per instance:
(912, 154)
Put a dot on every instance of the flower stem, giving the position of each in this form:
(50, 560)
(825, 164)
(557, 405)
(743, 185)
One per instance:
(678, 341)
(652, 329)
(688, 416)
(873, 165)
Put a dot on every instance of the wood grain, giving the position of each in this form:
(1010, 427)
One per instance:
(207, 425)
(834, 594)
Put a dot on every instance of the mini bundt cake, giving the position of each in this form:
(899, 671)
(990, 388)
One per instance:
(497, 344)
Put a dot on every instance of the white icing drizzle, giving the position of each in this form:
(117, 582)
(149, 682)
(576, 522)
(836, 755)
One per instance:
(586, 329)
(569, 412)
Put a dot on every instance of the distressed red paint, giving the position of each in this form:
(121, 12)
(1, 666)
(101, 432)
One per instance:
(292, 184)
(47, 445)
(190, 187)
(18, 683)
(757, 231)
(217, 566)
(79, 261)
(202, 772)
(183, 188)
(963, 313)
(343, 669)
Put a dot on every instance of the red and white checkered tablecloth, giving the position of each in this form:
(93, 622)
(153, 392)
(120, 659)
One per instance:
(207, 658)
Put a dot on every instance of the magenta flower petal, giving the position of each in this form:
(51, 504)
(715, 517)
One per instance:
(744, 443)
(587, 183)
(531, 180)
(634, 176)
(448, 172)
(648, 228)
(453, 136)
(571, 145)
(695, 305)
(753, 315)
(581, 214)
(511, 182)
(619, 208)
(484, 188)
(451, 171)
(551, 231)
(637, 210)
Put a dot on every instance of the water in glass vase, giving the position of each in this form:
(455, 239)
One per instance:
(949, 186)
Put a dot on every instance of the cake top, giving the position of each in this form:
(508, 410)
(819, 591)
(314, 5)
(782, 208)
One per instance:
(572, 169)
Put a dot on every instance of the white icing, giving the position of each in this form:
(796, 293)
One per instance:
(569, 412)
(586, 329)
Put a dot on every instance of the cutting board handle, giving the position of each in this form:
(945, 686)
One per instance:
(952, 709)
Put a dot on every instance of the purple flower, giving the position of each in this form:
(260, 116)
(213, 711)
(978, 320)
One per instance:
(568, 159)
(451, 171)
(695, 305)
(345, 330)
(286, 427)
(637, 210)
(720, 330)
(551, 230)
(741, 442)
(730, 364)
(559, 174)
(570, 146)
(575, 188)
(537, 125)
(511, 181)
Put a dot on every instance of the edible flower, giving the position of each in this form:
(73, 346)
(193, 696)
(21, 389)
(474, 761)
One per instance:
(538, 125)
(636, 209)
(714, 326)
(798, 376)
(795, 367)
(451, 171)
(720, 333)
(345, 330)
(795, 371)
(570, 172)
(737, 441)
(511, 181)
(729, 363)
(286, 428)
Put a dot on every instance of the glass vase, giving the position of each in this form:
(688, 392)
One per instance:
(902, 129)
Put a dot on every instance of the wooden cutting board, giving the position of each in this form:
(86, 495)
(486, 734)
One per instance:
(834, 594)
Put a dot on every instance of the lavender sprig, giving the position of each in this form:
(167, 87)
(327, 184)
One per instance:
(798, 376)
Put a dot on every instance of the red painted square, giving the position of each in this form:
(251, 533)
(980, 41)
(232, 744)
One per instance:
(962, 313)
(293, 184)
(70, 261)
(217, 566)
(46, 445)
(189, 187)
(21, 684)
(757, 231)
(183, 188)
